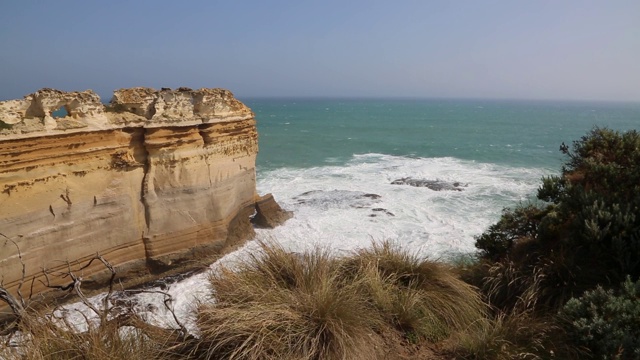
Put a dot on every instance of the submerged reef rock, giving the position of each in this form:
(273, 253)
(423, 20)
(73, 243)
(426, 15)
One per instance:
(159, 180)
(435, 185)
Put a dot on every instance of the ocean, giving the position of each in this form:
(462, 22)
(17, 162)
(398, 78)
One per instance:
(333, 161)
(320, 157)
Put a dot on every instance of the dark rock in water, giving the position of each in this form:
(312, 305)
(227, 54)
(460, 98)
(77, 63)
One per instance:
(337, 199)
(435, 185)
(382, 210)
(269, 214)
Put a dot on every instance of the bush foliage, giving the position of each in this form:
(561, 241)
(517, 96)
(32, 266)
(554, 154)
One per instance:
(588, 230)
(606, 321)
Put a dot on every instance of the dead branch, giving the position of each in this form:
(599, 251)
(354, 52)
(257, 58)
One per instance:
(75, 285)
(48, 285)
(77, 282)
(169, 299)
(111, 280)
(166, 301)
(17, 305)
(111, 314)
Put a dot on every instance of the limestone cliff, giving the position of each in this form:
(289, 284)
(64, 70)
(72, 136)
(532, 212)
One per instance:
(155, 180)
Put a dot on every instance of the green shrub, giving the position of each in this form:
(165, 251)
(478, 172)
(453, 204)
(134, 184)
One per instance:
(597, 201)
(519, 224)
(587, 234)
(607, 321)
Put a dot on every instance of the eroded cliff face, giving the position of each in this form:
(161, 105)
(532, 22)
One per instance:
(155, 181)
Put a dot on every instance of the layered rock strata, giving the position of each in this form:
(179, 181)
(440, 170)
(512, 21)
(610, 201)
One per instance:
(155, 180)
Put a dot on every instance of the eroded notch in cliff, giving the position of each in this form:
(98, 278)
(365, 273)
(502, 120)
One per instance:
(134, 155)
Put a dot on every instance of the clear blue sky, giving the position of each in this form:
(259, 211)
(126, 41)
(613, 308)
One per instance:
(539, 49)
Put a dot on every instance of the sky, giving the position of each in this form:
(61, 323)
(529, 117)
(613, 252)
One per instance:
(543, 49)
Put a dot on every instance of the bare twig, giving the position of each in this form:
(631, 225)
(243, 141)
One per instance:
(17, 305)
(111, 280)
(166, 301)
(75, 284)
(14, 304)
(45, 272)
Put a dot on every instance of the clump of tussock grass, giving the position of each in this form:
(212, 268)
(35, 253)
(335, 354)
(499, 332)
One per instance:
(287, 306)
(504, 337)
(316, 306)
(516, 334)
(516, 328)
(423, 298)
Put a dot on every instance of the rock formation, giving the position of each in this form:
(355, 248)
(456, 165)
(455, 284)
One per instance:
(269, 214)
(435, 185)
(156, 181)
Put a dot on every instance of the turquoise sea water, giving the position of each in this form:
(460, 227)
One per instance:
(313, 132)
(323, 158)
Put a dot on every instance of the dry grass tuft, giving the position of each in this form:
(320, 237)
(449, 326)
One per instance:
(504, 337)
(44, 339)
(286, 306)
(315, 306)
(423, 298)
(515, 329)
(381, 302)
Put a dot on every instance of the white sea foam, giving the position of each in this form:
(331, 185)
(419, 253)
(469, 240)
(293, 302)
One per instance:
(331, 209)
(345, 207)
